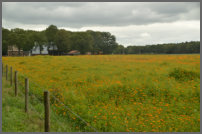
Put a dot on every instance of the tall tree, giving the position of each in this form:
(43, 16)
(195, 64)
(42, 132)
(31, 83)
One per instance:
(108, 42)
(40, 39)
(63, 40)
(5, 40)
(97, 41)
(50, 35)
(18, 38)
(29, 40)
(82, 42)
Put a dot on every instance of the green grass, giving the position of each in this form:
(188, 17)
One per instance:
(14, 118)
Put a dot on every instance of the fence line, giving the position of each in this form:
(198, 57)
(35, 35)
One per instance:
(21, 94)
(28, 93)
(66, 108)
(70, 110)
(40, 115)
(36, 98)
(32, 95)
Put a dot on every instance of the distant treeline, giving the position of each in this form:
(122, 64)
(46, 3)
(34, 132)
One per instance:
(170, 48)
(88, 41)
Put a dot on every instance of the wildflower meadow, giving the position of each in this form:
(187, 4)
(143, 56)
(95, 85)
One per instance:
(119, 93)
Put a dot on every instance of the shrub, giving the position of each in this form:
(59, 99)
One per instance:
(183, 75)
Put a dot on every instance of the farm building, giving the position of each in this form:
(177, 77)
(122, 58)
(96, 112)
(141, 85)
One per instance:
(36, 50)
(44, 51)
(14, 51)
(74, 52)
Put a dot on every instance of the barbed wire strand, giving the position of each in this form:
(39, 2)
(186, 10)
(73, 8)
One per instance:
(60, 124)
(40, 115)
(22, 86)
(74, 125)
(59, 101)
(75, 114)
(35, 84)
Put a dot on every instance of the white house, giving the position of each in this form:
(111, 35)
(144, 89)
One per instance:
(36, 49)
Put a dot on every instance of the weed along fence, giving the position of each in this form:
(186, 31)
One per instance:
(44, 101)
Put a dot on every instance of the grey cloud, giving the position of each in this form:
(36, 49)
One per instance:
(132, 23)
(98, 14)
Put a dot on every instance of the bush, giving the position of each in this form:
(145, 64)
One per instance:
(182, 74)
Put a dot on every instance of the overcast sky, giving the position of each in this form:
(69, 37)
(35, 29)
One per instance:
(133, 23)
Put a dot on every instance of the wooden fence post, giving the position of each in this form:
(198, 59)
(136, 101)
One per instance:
(16, 83)
(6, 72)
(11, 76)
(47, 111)
(26, 94)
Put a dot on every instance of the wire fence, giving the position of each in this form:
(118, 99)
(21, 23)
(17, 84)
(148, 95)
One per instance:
(35, 99)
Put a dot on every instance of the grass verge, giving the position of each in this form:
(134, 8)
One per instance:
(14, 118)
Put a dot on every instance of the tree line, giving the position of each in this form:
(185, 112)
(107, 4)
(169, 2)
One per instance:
(88, 41)
(65, 41)
(168, 48)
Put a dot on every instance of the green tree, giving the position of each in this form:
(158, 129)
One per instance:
(40, 39)
(50, 35)
(119, 50)
(63, 40)
(29, 40)
(18, 38)
(108, 42)
(82, 42)
(5, 40)
(96, 41)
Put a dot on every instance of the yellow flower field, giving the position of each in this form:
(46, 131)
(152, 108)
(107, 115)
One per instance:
(120, 93)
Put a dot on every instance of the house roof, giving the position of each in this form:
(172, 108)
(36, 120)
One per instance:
(74, 52)
(13, 48)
